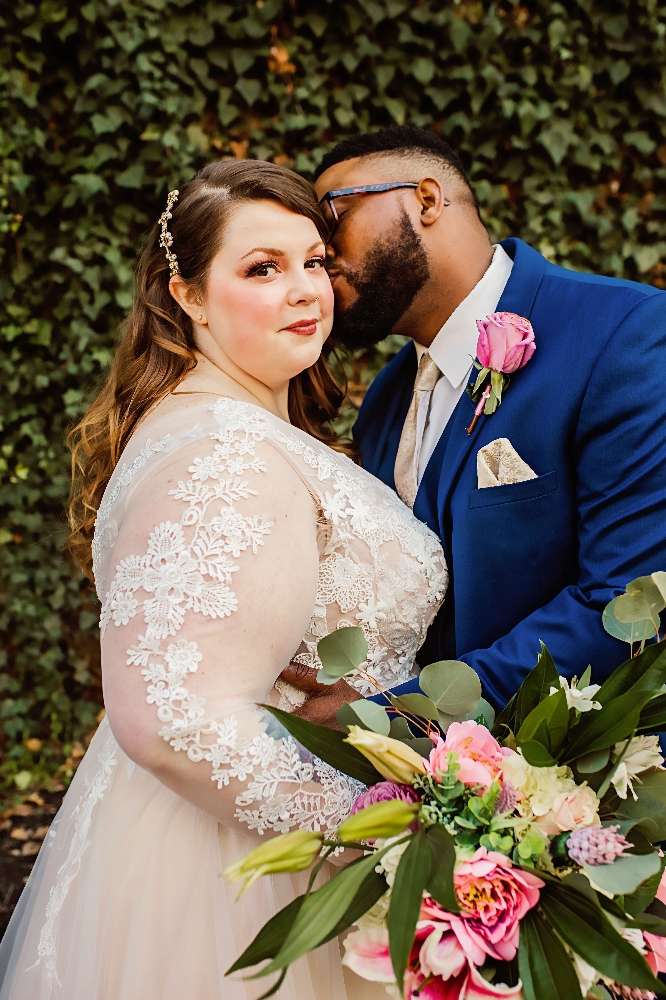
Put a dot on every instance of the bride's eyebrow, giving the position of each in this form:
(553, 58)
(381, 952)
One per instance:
(278, 253)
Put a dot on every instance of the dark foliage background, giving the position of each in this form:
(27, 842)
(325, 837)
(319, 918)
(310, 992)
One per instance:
(558, 110)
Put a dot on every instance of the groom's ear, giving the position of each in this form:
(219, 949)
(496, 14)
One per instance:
(433, 201)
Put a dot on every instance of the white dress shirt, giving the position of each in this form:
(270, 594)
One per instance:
(453, 351)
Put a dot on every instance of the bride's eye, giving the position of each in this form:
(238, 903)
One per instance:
(265, 269)
(315, 263)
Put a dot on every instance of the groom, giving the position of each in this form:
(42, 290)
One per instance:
(537, 555)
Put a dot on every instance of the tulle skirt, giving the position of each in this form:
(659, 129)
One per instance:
(126, 901)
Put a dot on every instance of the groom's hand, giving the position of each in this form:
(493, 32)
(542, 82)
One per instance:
(324, 700)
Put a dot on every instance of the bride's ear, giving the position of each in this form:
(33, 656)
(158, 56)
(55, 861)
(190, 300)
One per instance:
(188, 299)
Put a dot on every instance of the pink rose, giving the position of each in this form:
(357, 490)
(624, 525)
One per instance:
(384, 791)
(657, 956)
(479, 754)
(506, 342)
(571, 810)
(494, 897)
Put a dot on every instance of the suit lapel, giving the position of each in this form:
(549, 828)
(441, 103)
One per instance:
(518, 297)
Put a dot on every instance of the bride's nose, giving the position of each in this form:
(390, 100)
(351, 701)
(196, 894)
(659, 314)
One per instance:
(303, 292)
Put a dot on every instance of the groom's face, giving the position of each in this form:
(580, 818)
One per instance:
(377, 260)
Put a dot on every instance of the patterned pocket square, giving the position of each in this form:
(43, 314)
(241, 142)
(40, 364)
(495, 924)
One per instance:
(498, 463)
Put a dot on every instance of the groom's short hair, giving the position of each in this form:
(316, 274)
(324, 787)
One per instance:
(401, 140)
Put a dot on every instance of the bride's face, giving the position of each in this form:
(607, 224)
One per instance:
(268, 307)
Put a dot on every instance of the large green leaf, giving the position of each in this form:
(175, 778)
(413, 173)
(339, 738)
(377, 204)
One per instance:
(625, 874)
(653, 716)
(645, 673)
(410, 882)
(342, 651)
(584, 927)
(644, 896)
(536, 686)
(270, 938)
(416, 704)
(545, 968)
(547, 723)
(453, 686)
(616, 721)
(329, 745)
(443, 856)
(322, 912)
(650, 802)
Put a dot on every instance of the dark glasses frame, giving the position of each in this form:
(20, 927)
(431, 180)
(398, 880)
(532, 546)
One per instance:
(330, 196)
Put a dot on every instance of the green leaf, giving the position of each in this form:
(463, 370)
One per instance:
(644, 896)
(583, 926)
(631, 632)
(329, 745)
(614, 722)
(322, 912)
(342, 651)
(537, 755)
(590, 763)
(625, 874)
(400, 730)
(443, 857)
(653, 716)
(645, 672)
(650, 802)
(545, 968)
(451, 685)
(642, 600)
(548, 722)
(371, 716)
(416, 704)
(411, 879)
(535, 687)
(270, 938)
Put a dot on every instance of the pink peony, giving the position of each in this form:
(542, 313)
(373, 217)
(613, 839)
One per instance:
(657, 957)
(494, 897)
(384, 791)
(479, 754)
(367, 954)
(506, 342)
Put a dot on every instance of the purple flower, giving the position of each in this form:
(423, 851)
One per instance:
(597, 845)
(507, 798)
(384, 791)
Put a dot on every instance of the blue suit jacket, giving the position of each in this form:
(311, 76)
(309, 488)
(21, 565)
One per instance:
(539, 560)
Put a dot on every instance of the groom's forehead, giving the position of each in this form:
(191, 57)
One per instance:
(362, 170)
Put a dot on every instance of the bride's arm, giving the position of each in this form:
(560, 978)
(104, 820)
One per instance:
(210, 599)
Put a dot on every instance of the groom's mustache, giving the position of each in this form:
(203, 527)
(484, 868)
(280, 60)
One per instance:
(393, 271)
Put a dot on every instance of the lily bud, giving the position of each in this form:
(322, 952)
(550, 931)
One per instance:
(394, 760)
(384, 819)
(290, 852)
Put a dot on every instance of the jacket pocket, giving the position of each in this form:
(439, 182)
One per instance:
(530, 489)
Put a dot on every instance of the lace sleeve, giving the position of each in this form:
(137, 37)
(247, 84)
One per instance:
(197, 628)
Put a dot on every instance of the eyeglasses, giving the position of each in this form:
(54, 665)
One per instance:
(327, 203)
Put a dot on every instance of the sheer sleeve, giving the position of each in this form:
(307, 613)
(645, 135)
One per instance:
(216, 570)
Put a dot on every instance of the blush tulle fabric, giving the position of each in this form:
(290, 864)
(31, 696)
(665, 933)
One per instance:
(126, 900)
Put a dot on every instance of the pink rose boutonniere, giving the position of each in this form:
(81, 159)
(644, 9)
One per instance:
(505, 344)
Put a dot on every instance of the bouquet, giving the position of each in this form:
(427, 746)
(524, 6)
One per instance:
(510, 857)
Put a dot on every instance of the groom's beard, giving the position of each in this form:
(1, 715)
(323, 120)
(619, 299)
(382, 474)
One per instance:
(394, 270)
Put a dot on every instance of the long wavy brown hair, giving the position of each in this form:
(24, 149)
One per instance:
(157, 346)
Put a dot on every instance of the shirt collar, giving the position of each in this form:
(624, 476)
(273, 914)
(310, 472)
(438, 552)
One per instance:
(454, 347)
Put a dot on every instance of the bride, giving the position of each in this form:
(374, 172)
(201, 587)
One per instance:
(230, 534)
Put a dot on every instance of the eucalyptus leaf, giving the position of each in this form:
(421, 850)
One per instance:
(590, 763)
(346, 717)
(342, 651)
(451, 685)
(422, 744)
(371, 716)
(642, 600)
(399, 729)
(416, 704)
(631, 632)
(625, 874)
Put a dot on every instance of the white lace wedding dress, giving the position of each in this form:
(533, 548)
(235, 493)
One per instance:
(209, 573)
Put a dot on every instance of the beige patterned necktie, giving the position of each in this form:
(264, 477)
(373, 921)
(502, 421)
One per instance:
(407, 459)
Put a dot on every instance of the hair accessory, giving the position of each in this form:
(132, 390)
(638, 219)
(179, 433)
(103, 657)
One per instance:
(166, 239)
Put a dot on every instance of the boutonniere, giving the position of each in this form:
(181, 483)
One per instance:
(505, 344)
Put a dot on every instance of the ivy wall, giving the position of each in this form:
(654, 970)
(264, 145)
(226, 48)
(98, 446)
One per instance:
(558, 111)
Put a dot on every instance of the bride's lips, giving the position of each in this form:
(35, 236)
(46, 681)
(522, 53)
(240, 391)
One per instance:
(304, 327)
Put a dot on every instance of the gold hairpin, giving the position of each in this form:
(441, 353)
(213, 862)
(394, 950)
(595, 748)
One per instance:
(166, 239)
